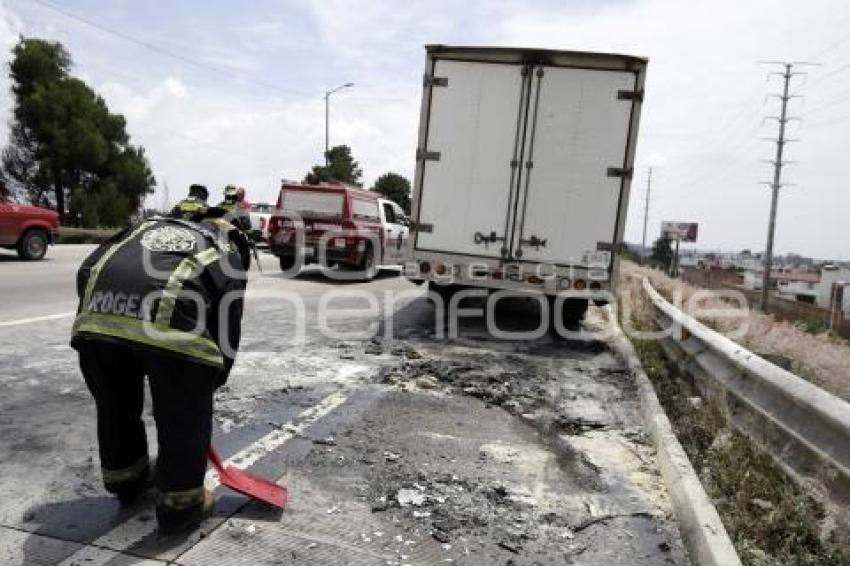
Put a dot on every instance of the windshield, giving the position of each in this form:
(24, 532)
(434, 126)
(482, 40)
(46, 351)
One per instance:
(264, 208)
(307, 202)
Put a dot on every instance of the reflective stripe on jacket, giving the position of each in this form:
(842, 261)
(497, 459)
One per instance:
(189, 207)
(167, 285)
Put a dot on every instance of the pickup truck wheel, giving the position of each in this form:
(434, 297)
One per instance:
(287, 262)
(368, 267)
(33, 245)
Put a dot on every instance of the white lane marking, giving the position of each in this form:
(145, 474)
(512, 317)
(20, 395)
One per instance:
(272, 441)
(36, 319)
(130, 532)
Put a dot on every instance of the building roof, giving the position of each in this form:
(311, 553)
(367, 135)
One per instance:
(789, 276)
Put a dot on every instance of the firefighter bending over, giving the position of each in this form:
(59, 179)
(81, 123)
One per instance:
(161, 299)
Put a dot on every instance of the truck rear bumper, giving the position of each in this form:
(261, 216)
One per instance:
(594, 282)
(311, 254)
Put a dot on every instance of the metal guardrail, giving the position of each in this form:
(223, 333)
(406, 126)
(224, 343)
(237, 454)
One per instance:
(806, 429)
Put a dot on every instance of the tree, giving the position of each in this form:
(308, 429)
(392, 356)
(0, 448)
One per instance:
(662, 252)
(341, 167)
(394, 187)
(65, 148)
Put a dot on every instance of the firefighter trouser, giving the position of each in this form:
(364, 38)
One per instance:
(182, 395)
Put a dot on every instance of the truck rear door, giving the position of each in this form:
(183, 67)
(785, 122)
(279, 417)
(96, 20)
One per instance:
(575, 159)
(468, 171)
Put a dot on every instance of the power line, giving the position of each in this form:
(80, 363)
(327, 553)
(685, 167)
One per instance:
(838, 43)
(827, 104)
(832, 122)
(823, 78)
(169, 53)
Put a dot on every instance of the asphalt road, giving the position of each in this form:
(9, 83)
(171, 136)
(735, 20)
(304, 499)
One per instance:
(398, 445)
(39, 288)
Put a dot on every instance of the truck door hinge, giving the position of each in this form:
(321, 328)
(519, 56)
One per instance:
(609, 247)
(630, 95)
(534, 242)
(480, 238)
(425, 155)
(428, 80)
(623, 172)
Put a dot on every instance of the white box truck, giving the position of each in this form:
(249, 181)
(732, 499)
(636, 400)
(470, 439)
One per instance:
(524, 162)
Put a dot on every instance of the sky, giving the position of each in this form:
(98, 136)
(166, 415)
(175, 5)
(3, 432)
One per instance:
(220, 92)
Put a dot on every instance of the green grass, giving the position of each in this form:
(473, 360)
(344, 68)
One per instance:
(770, 519)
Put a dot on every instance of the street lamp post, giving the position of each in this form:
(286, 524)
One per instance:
(327, 116)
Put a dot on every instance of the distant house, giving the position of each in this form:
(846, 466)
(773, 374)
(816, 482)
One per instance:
(823, 289)
(780, 279)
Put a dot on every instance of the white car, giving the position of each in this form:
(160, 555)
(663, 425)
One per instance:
(261, 212)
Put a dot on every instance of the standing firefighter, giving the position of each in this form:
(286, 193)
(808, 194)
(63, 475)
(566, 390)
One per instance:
(194, 204)
(161, 299)
(236, 212)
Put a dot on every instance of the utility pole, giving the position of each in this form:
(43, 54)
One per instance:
(327, 117)
(776, 184)
(646, 207)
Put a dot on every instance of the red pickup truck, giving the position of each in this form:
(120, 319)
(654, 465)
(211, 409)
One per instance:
(27, 229)
(336, 224)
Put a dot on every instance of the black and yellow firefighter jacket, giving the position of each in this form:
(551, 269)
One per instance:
(169, 285)
(239, 216)
(188, 208)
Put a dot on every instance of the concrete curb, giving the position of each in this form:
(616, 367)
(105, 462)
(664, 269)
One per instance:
(703, 532)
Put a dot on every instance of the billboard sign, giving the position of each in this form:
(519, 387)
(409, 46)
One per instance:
(682, 231)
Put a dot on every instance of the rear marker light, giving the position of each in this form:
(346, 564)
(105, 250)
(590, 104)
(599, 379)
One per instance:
(595, 285)
(424, 267)
(535, 280)
(440, 269)
(580, 285)
(564, 283)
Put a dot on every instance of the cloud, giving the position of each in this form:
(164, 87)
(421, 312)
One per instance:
(194, 136)
(702, 119)
(701, 123)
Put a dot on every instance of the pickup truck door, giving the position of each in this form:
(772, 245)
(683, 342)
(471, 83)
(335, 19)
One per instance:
(574, 178)
(394, 233)
(403, 223)
(8, 223)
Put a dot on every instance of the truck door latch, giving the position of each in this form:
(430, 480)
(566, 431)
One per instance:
(487, 239)
(534, 242)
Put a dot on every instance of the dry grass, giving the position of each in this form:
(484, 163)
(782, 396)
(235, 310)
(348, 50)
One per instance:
(819, 358)
(770, 519)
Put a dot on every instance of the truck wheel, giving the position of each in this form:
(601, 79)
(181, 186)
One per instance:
(445, 292)
(368, 266)
(572, 313)
(287, 262)
(33, 245)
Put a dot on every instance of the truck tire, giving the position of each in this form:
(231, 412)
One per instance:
(33, 245)
(368, 265)
(287, 262)
(445, 292)
(572, 313)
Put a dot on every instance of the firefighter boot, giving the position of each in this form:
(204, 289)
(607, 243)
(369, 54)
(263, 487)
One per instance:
(183, 511)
